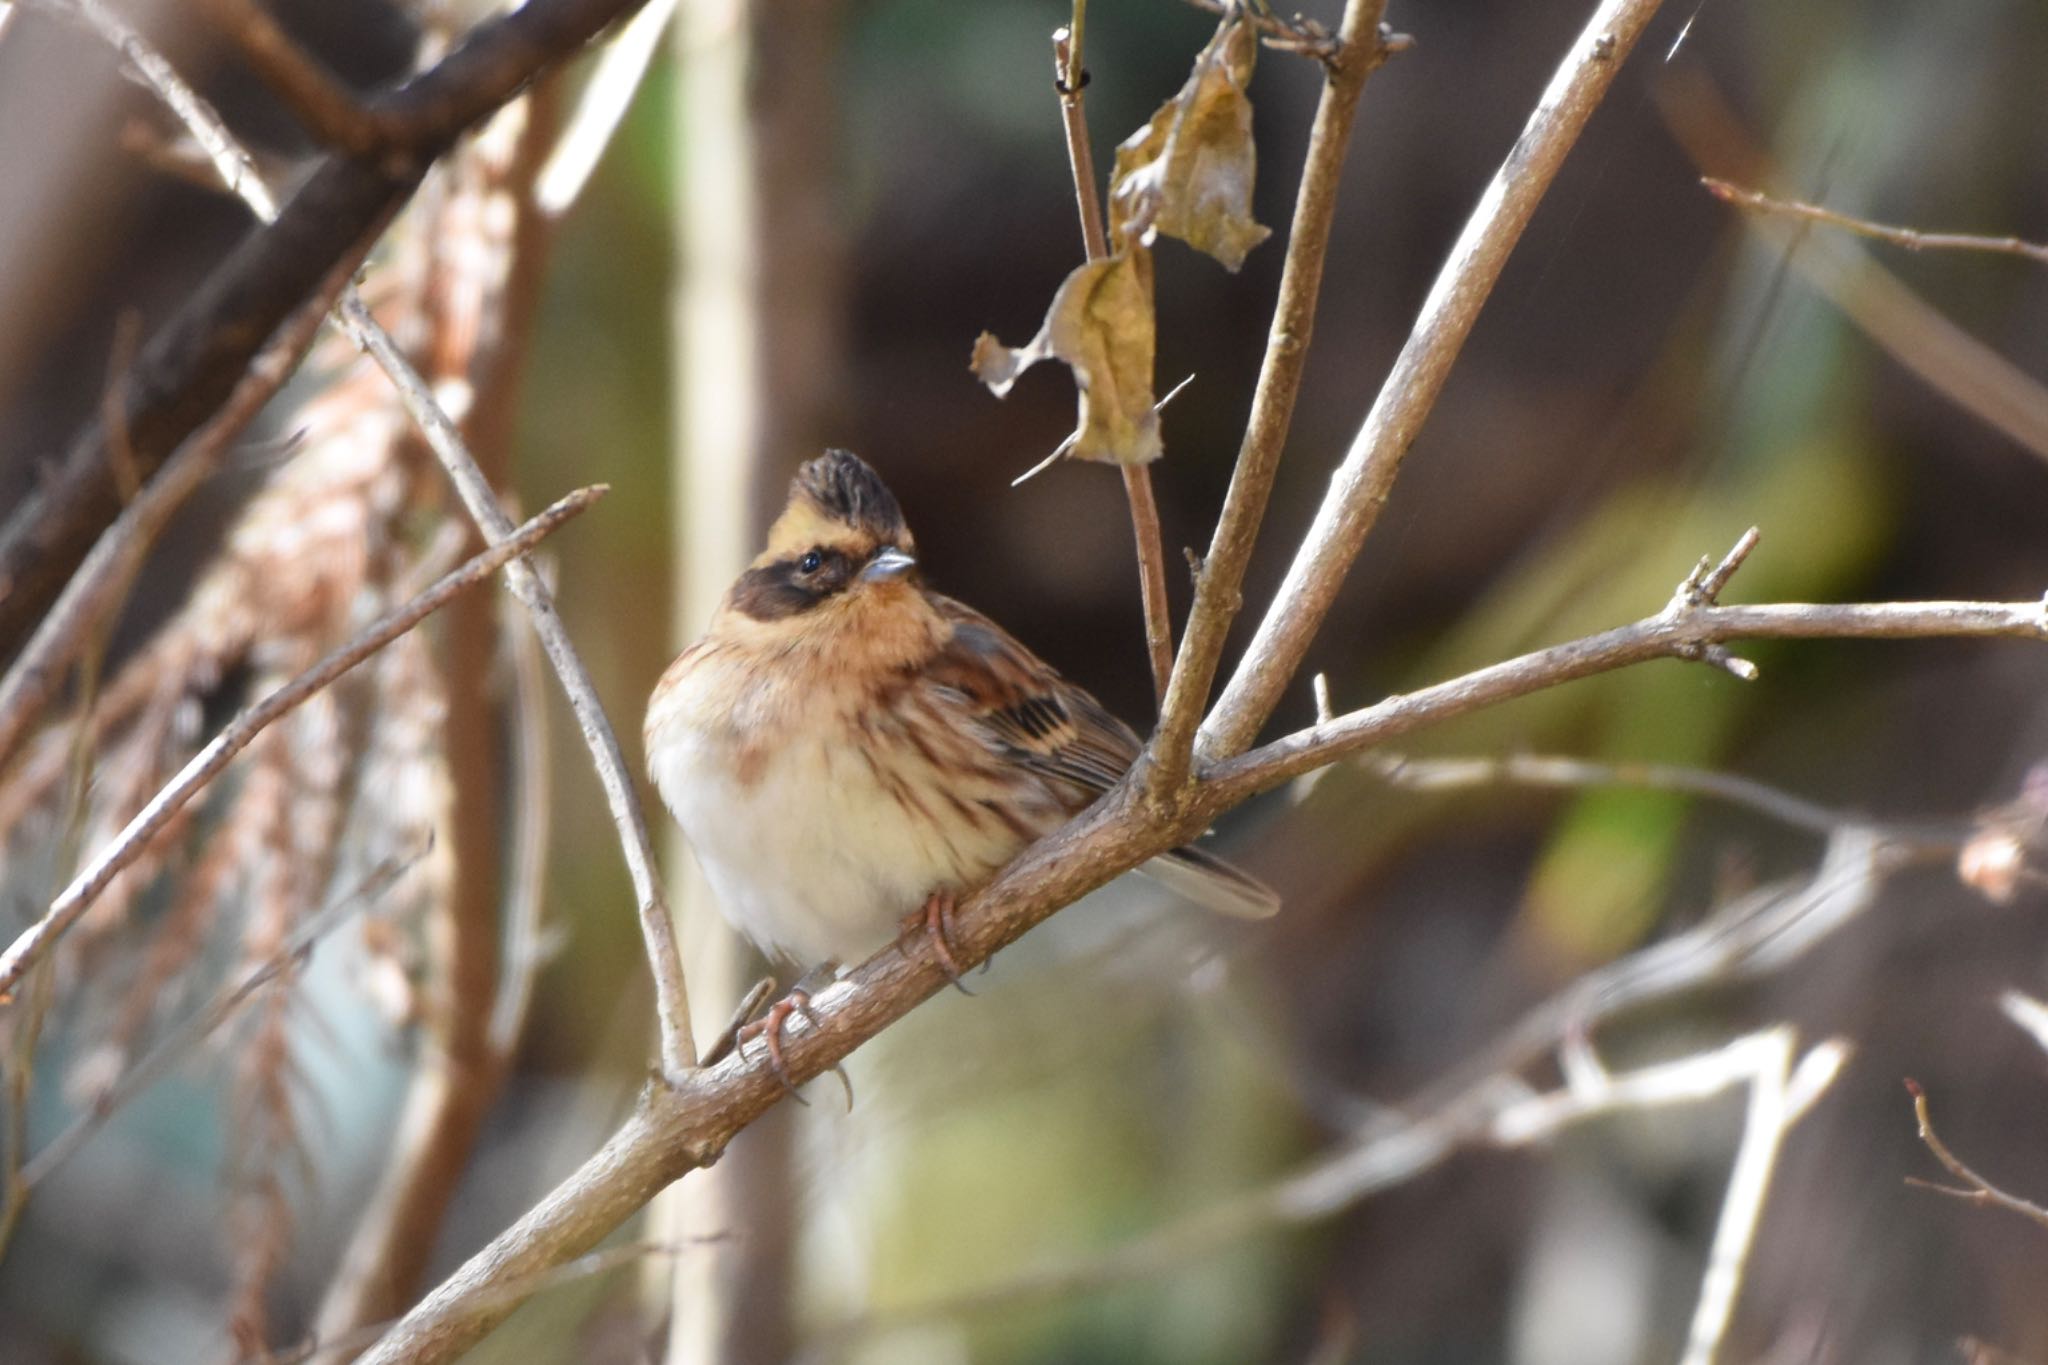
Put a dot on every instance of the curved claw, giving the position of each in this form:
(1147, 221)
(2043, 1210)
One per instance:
(935, 919)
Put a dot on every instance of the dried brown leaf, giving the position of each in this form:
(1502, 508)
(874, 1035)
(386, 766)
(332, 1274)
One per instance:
(1189, 172)
(1100, 325)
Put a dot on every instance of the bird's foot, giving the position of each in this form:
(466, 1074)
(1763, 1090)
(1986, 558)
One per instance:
(935, 921)
(768, 1029)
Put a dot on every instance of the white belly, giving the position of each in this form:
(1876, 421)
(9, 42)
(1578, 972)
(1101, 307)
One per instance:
(812, 858)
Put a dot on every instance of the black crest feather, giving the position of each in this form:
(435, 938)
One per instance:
(844, 487)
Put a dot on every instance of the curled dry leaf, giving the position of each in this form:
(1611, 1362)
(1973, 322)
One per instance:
(1188, 172)
(1100, 324)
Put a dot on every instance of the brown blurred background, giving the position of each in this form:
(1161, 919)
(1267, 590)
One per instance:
(1649, 378)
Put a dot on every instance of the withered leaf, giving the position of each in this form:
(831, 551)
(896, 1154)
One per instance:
(1188, 172)
(1100, 325)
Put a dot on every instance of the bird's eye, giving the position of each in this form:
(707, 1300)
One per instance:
(811, 562)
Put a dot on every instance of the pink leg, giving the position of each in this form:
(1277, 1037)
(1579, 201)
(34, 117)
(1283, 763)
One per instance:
(935, 920)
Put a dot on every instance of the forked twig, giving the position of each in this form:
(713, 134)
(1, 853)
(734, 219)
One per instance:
(1976, 1189)
(1365, 478)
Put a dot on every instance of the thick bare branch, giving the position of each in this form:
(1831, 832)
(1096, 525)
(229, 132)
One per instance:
(1360, 486)
(207, 764)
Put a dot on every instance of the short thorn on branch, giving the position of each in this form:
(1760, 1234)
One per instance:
(1702, 588)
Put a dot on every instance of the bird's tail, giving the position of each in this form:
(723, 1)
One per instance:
(1213, 884)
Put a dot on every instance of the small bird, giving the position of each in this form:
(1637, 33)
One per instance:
(849, 751)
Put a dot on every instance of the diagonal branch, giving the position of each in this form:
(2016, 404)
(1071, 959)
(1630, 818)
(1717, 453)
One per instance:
(1361, 484)
(671, 998)
(1219, 586)
(77, 898)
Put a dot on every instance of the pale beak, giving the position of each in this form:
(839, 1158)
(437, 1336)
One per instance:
(890, 564)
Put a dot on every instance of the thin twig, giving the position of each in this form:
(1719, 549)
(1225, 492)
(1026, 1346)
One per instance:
(527, 945)
(657, 930)
(1910, 238)
(1362, 483)
(1905, 326)
(1068, 78)
(1552, 770)
(1980, 1191)
(1663, 636)
(1219, 586)
(207, 764)
(209, 1019)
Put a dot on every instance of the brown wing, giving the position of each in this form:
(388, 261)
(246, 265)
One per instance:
(1038, 719)
(1046, 724)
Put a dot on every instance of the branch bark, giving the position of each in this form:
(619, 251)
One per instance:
(1361, 484)
(1219, 587)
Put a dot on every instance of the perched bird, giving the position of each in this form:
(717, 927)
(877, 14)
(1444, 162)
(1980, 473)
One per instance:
(848, 750)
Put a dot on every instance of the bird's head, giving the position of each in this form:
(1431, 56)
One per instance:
(840, 542)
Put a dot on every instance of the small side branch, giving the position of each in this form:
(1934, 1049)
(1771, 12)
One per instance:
(1219, 583)
(1755, 201)
(1688, 635)
(35, 942)
(1975, 1189)
(1365, 478)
